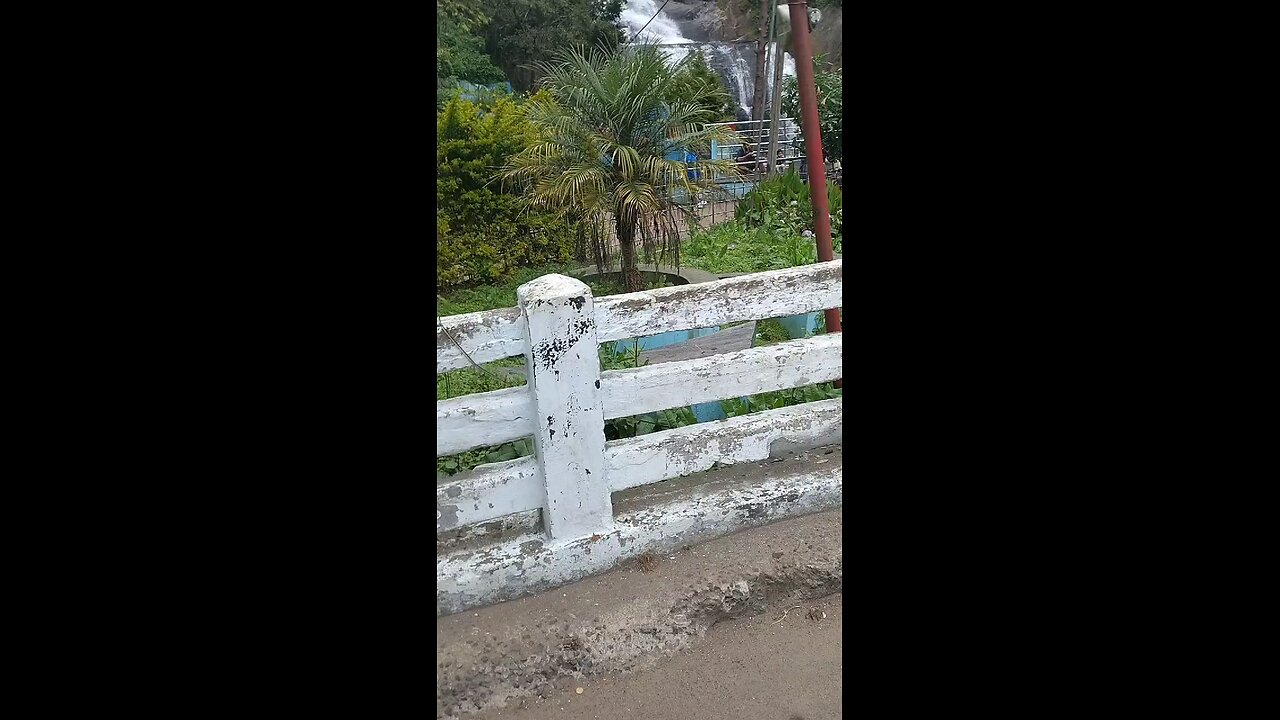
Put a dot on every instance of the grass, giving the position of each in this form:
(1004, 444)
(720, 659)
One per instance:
(498, 295)
(469, 380)
(503, 294)
(736, 247)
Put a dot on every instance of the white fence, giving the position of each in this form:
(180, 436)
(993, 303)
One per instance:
(567, 399)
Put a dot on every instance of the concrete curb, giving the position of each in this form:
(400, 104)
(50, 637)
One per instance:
(654, 518)
(691, 275)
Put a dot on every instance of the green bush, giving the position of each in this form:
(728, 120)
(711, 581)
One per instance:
(483, 232)
(768, 231)
(785, 199)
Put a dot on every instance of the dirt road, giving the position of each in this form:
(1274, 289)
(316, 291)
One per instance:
(757, 668)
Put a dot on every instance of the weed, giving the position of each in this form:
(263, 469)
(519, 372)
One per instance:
(648, 563)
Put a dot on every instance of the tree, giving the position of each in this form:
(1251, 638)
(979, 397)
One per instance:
(830, 111)
(523, 33)
(699, 80)
(611, 117)
(460, 53)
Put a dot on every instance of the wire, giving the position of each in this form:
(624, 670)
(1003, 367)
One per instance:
(633, 37)
(481, 368)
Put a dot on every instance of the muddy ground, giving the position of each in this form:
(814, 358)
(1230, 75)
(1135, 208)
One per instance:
(783, 665)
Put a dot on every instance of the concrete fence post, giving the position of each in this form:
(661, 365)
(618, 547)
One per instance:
(563, 369)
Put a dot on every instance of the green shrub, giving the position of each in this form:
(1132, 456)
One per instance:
(484, 233)
(460, 49)
(783, 201)
(768, 231)
(504, 245)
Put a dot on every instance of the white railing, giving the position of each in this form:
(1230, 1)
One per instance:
(558, 327)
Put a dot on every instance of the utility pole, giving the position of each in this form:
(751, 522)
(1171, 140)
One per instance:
(773, 95)
(775, 103)
(762, 50)
(811, 128)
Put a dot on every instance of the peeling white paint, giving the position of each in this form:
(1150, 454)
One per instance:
(529, 564)
(479, 419)
(499, 489)
(777, 293)
(558, 327)
(568, 426)
(486, 336)
(676, 384)
(694, 448)
(488, 492)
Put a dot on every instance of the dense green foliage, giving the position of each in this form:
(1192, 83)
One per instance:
(610, 118)
(492, 41)
(698, 80)
(482, 232)
(830, 113)
(460, 51)
(768, 231)
(784, 200)
(520, 34)
(460, 55)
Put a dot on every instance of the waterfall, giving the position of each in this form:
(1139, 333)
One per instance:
(735, 62)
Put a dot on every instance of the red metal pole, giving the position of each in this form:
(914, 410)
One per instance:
(813, 141)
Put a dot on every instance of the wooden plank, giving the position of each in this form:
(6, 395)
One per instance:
(793, 364)
(694, 448)
(488, 492)
(777, 293)
(488, 418)
(498, 489)
(736, 338)
(486, 336)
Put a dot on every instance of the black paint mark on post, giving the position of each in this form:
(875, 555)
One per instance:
(578, 302)
(548, 352)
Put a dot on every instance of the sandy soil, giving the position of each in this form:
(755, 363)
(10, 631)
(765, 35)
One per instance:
(757, 668)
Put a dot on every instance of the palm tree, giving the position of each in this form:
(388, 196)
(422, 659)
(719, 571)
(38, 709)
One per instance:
(609, 119)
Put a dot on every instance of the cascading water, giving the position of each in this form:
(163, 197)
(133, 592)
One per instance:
(661, 29)
(735, 62)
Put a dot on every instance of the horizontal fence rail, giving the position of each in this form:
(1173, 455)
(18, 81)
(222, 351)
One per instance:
(501, 416)
(496, 490)
(489, 418)
(558, 328)
(485, 336)
(573, 474)
(777, 293)
(783, 366)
